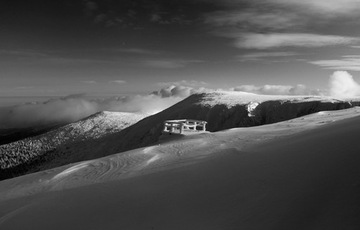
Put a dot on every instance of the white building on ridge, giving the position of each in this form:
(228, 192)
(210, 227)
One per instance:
(184, 125)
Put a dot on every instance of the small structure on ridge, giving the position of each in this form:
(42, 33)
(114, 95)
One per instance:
(183, 126)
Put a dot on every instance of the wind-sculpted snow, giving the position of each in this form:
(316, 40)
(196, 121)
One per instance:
(110, 168)
(91, 128)
(168, 154)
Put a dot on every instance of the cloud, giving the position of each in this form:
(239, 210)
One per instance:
(349, 62)
(65, 109)
(155, 17)
(175, 91)
(74, 107)
(89, 82)
(271, 24)
(23, 87)
(182, 88)
(170, 64)
(265, 55)
(74, 57)
(190, 83)
(102, 15)
(276, 40)
(147, 104)
(101, 18)
(24, 53)
(342, 84)
(167, 18)
(164, 64)
(90, 7)
(277, 90)
(250, 18)
(136, 51)
(75, 61)
(328, 8)
(118, 81)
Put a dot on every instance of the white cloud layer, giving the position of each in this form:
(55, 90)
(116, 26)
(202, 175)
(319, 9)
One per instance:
(349, 62)
(277, 90)
(178, 91)
(271, 24)
(75, 107)
(328, 8)
(265, 55)
(276, 40)
(342, 84)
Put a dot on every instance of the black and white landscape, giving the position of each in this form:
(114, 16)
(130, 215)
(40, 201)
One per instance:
(104, 104)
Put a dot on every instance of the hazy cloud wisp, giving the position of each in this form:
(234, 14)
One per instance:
(265, 56)
(277, 90)
(327, 8)
(177, 91)
(276, 40)
(250, 18)
(75, 107)
(348, 62)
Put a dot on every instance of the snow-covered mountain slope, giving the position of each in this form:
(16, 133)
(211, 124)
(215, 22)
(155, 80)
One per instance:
(233, 98)
(98, 125)
(225, 110)
(46, 146)
(252, 101)
(302, 172)
(222, 110)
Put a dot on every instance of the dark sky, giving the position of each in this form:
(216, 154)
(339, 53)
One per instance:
(105, 47)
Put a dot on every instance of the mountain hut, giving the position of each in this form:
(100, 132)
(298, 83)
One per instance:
(184, 125)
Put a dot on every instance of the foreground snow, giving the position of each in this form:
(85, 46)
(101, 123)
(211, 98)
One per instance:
(301, 174)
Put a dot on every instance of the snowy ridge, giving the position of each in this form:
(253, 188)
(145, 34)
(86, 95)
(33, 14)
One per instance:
(233, 98)
(101, 123)
(90, 128)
